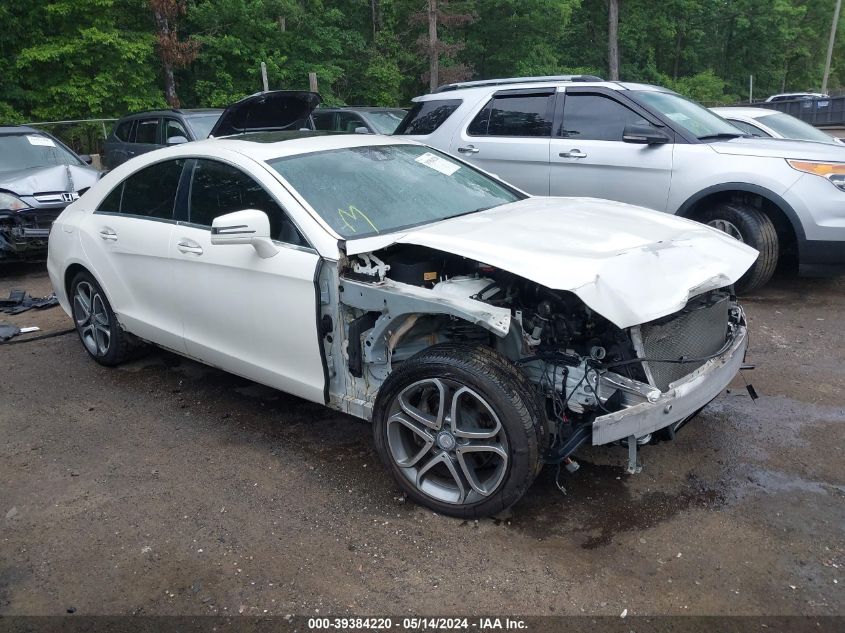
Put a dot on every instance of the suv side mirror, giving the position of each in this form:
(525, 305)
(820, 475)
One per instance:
(361, 130)
(86, 158)
(249, 226)
(644, 135)
(176, 140)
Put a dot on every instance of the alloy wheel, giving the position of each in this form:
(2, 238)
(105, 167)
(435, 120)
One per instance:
(725, 226)
(447, 441)
(92, 319)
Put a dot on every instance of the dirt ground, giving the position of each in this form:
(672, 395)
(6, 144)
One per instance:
(165, 487)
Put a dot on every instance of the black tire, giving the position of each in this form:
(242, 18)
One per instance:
(485, 377)
(120, 345)
(757, 230)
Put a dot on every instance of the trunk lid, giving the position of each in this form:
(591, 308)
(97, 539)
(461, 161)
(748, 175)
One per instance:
(267, 111)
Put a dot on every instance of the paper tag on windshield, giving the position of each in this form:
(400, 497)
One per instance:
(40, 140)
(440, 164)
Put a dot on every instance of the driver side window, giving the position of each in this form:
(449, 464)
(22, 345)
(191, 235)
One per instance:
(218, 189)
(596, 118)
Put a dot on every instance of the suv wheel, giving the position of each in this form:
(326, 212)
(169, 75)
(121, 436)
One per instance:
(460, 430)
(752, 227)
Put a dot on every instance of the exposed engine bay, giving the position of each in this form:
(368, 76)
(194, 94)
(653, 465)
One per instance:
(404, 298)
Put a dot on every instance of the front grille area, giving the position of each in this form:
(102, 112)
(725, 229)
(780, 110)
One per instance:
(699, 330)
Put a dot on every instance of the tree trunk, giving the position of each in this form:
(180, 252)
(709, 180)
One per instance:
(613, 39)
(679, 46)
(433, 49)
(164, 34)
(375, 8)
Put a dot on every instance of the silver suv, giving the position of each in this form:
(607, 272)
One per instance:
(646, 145)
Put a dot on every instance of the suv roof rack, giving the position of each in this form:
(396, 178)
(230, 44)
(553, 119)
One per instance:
(515, 80)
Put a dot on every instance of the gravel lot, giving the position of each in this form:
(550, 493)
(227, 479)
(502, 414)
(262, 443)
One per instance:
(166, 487)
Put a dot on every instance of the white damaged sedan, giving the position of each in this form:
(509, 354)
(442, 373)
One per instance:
(484, 332)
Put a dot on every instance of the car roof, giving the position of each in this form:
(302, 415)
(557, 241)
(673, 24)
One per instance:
(751, 113)
(6, 130)
(360, 109)
(477, 89)
(172, 111)
(263, 146)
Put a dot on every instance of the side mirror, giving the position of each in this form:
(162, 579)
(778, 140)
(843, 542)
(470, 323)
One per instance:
(86, 158)
(644, 135)
(250, 226)
(361, 130)
(176, 140)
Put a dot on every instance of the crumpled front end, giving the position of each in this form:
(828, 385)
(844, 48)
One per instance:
(628, 384)
(24, 234)
(683, 372)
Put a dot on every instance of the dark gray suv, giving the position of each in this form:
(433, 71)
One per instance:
(145, 131)
(351, 118)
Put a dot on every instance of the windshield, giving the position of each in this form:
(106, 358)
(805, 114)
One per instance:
(696, 119)
(28, 151)
(361, 191)
(386, 121)
(790, 127)
(201, 124)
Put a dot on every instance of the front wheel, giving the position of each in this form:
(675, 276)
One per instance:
(752, 227)
(460, 429)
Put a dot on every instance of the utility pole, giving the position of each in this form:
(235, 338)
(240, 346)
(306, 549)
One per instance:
(433, 47)
(833, 27)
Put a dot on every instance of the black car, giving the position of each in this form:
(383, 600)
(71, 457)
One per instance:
(145, 131)
(39, 177)
(351, 119)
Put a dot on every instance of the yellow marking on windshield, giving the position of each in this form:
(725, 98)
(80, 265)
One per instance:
(354, 214)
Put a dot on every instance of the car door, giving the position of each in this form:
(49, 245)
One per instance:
(251, 316)
(127, 242)
(589, 158)
(510, 137)
(175, 132)
(116, 148)
(145, 136)
(350, 122)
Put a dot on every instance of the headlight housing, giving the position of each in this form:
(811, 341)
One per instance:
(12, 203)
(834, 172)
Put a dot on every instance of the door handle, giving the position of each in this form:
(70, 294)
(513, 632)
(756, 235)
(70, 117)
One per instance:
(469, 149)
(108, 234)
(189, 246)
(573, 153)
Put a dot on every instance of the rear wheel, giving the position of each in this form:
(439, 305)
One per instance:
(752, 227)
(96, 322)
(459, 430)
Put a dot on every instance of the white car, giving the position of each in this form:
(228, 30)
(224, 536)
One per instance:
(765, 123)
(794, 96)
(483, 331)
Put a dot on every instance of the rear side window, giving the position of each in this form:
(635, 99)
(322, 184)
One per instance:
(149, 193)
(596, 118)
(218, 189)
(122, 130)
(515, 115)
(146, 131)
(427, 116)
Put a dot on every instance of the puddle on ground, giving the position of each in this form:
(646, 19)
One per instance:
(600, 504)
